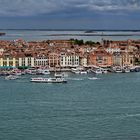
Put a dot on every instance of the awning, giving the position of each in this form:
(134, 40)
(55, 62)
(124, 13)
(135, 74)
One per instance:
(6, 67)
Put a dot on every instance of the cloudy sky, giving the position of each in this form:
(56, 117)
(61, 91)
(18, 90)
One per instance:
(70, 14)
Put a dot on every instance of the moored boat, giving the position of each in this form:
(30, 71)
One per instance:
(16, 72)
(97, 70)
(43, 72)
(76, 71)
(59, 75)
(104, 70)
(137, 69)
(126, 69)
(117, 69)
(83, 72)
(31, 71)
(79, 70)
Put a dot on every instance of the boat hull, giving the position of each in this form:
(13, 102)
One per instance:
(48, 80)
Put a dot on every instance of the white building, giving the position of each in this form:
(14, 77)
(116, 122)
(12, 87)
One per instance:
(26, 61)
(41, 61)
(69, 60)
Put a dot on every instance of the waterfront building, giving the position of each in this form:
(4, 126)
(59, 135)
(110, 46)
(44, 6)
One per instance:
(21, 53)
(8, 61)
(100, 58)
(127, 59)
(69, 60)
(53, 59)
(83, 60)
(117, 59)
(1, 61)
(127, 54)
(26, 61)
(41, 60)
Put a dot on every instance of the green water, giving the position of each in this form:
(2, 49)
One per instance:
(104, 109)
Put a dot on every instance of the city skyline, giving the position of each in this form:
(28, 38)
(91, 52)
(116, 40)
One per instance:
(70, 14)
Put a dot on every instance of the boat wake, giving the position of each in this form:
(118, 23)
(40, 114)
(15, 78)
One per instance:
(132, 115)
(127, 116)
(122, 116)
(93, 78)
(76, 79)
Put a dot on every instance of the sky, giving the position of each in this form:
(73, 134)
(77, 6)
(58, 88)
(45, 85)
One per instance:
(70, 14)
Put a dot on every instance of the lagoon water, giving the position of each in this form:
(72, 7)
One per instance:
(104, 109)
(29, 35)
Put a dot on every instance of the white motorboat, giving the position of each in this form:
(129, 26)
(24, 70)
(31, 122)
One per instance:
(57, 79)
(31, 71)
(104, 70)
(46, 72)
(83, 72)
(43, 71)
(78, 71)
(97, 71)
(16, 72)
(117, 69)
(63, 74)
(126, 70)
(132, 69)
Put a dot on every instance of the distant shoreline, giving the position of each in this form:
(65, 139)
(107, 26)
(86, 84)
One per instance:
(86, 30)
(1, 34)
(93, 35)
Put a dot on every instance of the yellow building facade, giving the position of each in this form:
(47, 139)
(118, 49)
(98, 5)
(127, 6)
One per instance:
(8, 62)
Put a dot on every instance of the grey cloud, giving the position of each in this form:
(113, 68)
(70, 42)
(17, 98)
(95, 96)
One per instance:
(107, 5)
(35, 7)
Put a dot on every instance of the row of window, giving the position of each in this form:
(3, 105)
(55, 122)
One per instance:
(68, 63)
(40, 63)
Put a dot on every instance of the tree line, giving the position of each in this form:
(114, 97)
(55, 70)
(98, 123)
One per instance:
(82, 42)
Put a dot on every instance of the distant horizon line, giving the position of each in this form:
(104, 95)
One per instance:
(56, 29)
